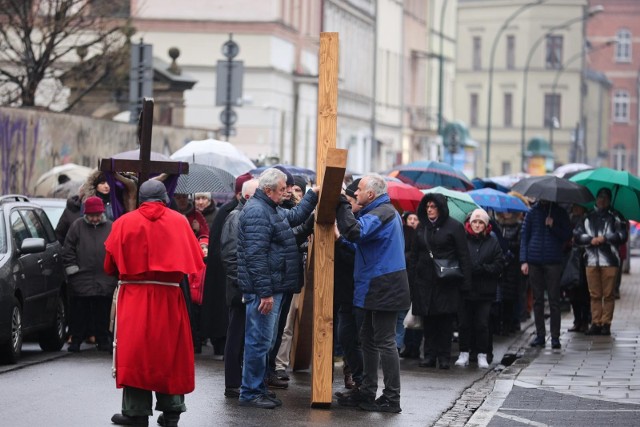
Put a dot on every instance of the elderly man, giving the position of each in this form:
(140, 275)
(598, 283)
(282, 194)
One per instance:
(381, 289)
(267, 268)
(602, 231)
(151, 249)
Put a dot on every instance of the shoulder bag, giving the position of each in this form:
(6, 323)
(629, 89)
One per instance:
(446, 269)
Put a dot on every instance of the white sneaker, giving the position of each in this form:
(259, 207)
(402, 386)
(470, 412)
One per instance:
(463, 359)
(482, 361)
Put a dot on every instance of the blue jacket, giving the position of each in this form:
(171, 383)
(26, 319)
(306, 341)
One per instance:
(380, 273)
(540, 244)
(268, 258)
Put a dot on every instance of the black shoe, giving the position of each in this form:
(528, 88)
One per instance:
(104, 346)
(605, 330)
(382, 404)
(232, 392)
(169, 419)
(282, 375)
(262, 402)
(443, 364)
(538, 341)
(355, 399)
(272, 397)
(555, 343)
(274, 382)
(428, 362)
(126, 420)
(594, 330)
(74, 347)
(346, 392)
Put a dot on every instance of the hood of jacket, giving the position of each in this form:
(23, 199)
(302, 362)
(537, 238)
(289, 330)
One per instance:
(472, 234)
(441, 203)
(152, 210)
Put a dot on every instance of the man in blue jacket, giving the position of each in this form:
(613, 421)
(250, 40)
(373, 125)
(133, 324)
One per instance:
(545, 230)
(268, 266)
(381, 289)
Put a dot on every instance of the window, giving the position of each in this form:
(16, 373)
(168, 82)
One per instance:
(477, 53)
(511, 52)
(621, 106)
(623, 47)
(619, 160)
(508, 110)
(554, 52)
(473, 110)
(552, 110)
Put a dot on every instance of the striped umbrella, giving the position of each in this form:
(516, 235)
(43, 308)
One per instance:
(429, 174)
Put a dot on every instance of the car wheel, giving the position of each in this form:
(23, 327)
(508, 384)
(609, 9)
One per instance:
(53, 338)
(10, 350)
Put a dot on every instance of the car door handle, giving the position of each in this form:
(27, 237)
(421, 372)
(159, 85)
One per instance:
(40, 263)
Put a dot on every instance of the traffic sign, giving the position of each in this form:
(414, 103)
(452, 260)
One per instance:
(228, 117)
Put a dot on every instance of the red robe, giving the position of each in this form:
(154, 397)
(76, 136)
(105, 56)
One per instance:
(154, 348)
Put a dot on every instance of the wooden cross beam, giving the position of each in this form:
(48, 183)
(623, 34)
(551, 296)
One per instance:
(144, 167)
(331, 165)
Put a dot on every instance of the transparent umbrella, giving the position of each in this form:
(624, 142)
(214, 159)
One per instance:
(219, 154)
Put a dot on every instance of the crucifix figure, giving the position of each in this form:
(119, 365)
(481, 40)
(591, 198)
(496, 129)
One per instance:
(143, 167)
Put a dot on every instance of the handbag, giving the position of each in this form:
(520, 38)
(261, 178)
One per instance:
(446, 269)
(411, 321)
(571, 272)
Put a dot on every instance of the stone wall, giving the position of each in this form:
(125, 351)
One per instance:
(33, 141)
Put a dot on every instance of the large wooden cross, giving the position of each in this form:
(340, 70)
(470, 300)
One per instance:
(144, 167)
(330, 169)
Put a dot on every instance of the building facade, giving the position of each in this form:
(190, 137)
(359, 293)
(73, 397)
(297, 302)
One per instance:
(621, 65)
(525, 60)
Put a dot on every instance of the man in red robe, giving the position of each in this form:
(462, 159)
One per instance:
(151, 249)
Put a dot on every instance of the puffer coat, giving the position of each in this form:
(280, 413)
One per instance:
(601, 222)
(487, 262)
(83, 258)
(268, 258)
(446, 238)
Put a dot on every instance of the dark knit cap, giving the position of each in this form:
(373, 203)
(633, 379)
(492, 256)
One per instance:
(241, 179)
(352, 188)
(301, 182)
(604, 190)
(290, 180)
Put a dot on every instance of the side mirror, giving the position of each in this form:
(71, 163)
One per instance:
(32, 245)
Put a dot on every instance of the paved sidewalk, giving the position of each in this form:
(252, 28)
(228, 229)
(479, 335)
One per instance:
(592, 380)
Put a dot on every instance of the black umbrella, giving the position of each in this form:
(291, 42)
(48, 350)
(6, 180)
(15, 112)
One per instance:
(553, 189)
(205, 179)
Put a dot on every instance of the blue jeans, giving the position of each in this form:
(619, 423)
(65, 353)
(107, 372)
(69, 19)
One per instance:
(400, 331)
(259, 339)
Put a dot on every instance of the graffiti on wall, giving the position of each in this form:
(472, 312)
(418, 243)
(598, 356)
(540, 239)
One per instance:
(18, 144)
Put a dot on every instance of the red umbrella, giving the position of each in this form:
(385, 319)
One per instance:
(403, 196)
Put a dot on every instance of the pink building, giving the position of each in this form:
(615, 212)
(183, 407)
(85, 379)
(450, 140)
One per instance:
(621, 64)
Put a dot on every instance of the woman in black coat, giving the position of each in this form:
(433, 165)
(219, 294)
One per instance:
(487, 263)
(435, 299)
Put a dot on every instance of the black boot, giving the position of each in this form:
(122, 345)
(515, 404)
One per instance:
(169, 419)
(126, 420)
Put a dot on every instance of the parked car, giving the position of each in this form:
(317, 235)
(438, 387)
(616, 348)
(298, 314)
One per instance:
(32, 285)
(53, 208)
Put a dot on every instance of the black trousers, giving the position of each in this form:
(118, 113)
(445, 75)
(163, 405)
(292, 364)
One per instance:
(438, 331)
(234, 347)
(474, 323)
(90, 316)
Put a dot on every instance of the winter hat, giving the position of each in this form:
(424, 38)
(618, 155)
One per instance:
(241, 180)
(301, 182)
(352, 188)
(479, 214)
(207, 195)
(100, 178)
(153, 191)
(93, 205)
(290, 180)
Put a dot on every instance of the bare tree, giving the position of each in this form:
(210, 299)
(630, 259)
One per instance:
(39, 40)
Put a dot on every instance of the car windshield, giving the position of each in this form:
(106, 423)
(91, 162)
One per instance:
(54, 213)
(3, 237)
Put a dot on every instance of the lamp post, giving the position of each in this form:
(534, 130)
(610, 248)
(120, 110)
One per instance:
(492, 56)
(561, 70)
(593, 11)
(441, 66)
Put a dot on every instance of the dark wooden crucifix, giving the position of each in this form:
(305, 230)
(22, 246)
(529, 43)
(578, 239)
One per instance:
(144, 167)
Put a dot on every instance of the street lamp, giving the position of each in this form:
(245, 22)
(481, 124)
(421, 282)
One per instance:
(553, 120)
(593, 11)
(441, 66)
(504, 26)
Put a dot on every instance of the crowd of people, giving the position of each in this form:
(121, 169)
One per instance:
(404, 286)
